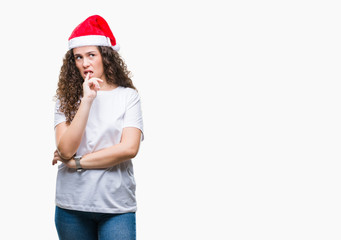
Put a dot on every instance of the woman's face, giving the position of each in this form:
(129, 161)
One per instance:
(89, 60)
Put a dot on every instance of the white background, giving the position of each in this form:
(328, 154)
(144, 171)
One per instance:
(241, 103)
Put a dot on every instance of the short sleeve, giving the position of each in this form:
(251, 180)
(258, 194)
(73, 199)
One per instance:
(133, 114)
(59, 117)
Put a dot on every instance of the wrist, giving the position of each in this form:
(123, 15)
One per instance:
(78, 163)
(87, 100)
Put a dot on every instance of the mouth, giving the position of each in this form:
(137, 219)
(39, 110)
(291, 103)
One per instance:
(88, 72)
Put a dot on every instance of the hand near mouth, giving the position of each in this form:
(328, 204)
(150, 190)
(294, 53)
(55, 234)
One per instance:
(91, 86)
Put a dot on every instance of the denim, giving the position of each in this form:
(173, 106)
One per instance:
(74, 225)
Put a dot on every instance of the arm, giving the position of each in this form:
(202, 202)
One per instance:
(111, 156)
(68, 137)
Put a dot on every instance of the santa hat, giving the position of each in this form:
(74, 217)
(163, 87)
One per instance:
(94, 31)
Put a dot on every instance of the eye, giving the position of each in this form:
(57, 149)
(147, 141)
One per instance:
(78, 57)
(92, 55)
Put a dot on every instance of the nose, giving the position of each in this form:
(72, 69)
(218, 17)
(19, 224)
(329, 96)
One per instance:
(86, 62)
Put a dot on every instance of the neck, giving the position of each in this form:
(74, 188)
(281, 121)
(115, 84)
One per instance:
(104, 86)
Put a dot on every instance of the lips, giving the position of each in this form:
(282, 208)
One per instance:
(90, 72)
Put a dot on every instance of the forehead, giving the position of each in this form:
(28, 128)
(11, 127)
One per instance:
(85, 49)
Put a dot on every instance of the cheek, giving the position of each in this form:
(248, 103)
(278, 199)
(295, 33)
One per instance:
(79, 67)
(99, 66)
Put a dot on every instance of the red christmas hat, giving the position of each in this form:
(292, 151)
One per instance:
(94, 31)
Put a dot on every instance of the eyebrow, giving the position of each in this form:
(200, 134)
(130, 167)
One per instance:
(87, 53)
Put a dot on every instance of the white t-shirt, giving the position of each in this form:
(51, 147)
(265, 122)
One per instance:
(110, 190)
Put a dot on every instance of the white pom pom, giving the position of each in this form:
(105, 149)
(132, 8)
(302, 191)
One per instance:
(116, 47)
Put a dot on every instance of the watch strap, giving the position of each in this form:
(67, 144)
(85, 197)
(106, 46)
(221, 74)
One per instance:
(78, 164)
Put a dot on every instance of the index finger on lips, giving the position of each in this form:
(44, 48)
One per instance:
(87, 77)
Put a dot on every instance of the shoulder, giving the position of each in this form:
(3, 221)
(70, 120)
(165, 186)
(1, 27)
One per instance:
(128, 93)
(127, 90)
(57, 105)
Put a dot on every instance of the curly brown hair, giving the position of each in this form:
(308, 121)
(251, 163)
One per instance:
(70, 84)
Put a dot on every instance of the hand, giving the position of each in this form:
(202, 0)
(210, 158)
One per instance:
(90, 87)
(57, 157)
(71, 163)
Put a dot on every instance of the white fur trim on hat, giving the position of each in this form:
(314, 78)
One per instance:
(91, 40)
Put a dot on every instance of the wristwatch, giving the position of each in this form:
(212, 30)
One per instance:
(78, 164)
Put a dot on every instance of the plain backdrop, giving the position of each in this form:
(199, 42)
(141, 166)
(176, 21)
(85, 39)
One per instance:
(241, 105)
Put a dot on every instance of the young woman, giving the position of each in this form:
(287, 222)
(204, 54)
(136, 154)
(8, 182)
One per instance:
(98, 129)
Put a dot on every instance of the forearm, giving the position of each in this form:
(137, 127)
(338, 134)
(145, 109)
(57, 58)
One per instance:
(111, 156)
(108, 157)
(70, 139)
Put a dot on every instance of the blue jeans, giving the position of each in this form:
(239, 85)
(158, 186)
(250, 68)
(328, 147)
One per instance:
(77, 225)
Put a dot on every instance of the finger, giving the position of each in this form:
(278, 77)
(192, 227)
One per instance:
(56, 156)
(96, 82)
(93, 82)
(87, 77)
(97, 79)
